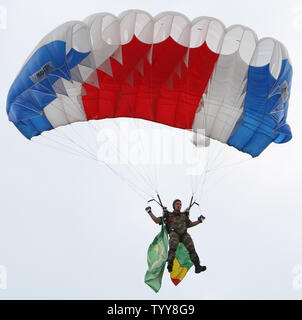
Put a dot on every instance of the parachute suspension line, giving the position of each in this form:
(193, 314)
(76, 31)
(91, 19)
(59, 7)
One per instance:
(139, 193)
(144, 176)
(198, 179)
(204, 110)
(81, 136)
(62, 149)
(200, 186)
(58, 145)
(92, 129)
(134, 169)
(83, 152)
(137, 190)
(93, 134)
(85, 141)
(143, 194)
(149, 174)
(135, 172)
(195, 186)
(144, 172)
(77, 144)
(211, 185)
(194, 178)
(88, 154)
(217, 156)
(215, 152)
(212, 152)
(130, 184)
(220, 153)
(95, 151)
(192, 184)
(153, 109)
(69, 138)
(199, 191)
(230, 165)
(153, 173)
(219, 167)
(98, 129)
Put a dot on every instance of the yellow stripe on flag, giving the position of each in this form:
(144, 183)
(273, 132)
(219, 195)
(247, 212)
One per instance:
(178, 272)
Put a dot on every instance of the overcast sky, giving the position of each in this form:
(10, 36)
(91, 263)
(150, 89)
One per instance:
(69, 228)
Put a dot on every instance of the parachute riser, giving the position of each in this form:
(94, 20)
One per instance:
(192, 203)
(159, 202)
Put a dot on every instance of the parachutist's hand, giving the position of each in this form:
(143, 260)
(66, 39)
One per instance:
(201, 218)
(148, 209)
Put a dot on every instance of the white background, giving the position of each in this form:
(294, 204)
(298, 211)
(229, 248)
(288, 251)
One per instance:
(71, 229)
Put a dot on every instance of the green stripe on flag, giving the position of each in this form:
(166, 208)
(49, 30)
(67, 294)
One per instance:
(183, 256)
(157, 257)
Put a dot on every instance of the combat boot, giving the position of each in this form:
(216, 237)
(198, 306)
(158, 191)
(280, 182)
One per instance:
(199, 268)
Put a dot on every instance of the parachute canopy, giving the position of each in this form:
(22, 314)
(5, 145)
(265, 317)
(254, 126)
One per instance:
(195, 75)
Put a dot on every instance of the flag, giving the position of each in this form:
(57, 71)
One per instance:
(181, 264)
(157, 257)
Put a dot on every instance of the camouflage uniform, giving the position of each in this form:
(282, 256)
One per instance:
(178, 224)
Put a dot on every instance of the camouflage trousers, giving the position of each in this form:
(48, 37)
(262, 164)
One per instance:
(186, 239)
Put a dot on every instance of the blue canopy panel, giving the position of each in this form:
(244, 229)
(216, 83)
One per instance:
(32, 90)
(265, 111)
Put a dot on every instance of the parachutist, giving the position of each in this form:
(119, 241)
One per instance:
(177, 223)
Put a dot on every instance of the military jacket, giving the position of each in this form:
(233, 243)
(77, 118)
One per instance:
(176, 221)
